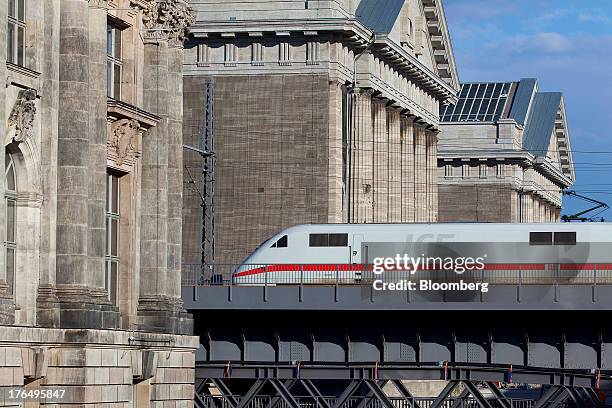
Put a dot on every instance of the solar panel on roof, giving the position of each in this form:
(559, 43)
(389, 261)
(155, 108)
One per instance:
(478, 102)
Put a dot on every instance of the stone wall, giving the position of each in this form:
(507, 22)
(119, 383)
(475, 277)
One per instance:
(62, 324)
(97, 367)
(272, 153)
(477, 203)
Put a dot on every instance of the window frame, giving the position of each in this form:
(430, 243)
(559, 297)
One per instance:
(10, 245)
(114, 60)
(282, 242)
(327, 240)
(15, 54)
(533, 242)
(572, 242)
(111, 278)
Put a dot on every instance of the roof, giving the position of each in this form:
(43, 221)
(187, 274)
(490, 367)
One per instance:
(542, 115)
(379, 15)
(522, 99)
(541, 122)
(478, 102)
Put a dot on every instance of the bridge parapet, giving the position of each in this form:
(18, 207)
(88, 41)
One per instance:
(357, 287)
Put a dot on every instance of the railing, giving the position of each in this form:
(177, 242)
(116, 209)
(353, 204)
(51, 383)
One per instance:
(365, 402)
(344, 274)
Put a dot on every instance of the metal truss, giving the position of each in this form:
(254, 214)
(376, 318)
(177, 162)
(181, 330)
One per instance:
(370, 393)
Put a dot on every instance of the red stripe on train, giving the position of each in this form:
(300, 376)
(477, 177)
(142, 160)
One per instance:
(359, 267)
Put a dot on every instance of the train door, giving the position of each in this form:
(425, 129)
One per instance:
(356, 256)
(355, 248)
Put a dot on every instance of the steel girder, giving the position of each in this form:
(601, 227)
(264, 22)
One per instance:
(405, 393)
(347, 372)
(482, 401)
(446, 392)
(369, 393)
(573, 349)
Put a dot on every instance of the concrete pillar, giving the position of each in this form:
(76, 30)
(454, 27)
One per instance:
(408, 191)
(362, 171)
(420, 173)
(381, 161)
(96, 203)
(47, 304)
(78, 307)
(395, 166)
(432, 176)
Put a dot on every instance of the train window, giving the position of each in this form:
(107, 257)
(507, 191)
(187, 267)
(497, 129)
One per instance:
(328, 240)
(281, 243)
(319, 240)
(338, 240)
(540, 238)
(565, 238)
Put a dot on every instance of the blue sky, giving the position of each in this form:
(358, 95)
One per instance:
(567, 46)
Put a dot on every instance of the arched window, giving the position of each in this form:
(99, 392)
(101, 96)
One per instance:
(10, 218)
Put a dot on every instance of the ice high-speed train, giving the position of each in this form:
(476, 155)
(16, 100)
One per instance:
(329, 253)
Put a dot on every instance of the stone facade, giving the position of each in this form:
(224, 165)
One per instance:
(510, 165)
(320, 116)
(90, 271)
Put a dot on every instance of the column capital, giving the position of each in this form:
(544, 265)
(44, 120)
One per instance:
(363, 91)
(98, 3)
(167, 20)
(408, 118)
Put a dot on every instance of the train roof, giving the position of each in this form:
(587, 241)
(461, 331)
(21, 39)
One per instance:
(583, 226)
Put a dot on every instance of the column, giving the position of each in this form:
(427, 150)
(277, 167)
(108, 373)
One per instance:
(159, 303)
(175, 170)
(408, 190)
(96, 202)
(47, 303)
(432, 176)
(381, 161)
(395, 165)
(78, 308)
(362, 158)
(153, 293)
(420, 173)
(336, 167)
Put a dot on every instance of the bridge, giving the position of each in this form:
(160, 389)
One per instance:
(340, 343)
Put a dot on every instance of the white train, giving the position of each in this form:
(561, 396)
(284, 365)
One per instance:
(345, 253)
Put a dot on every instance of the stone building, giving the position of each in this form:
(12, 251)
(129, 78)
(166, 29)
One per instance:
(323, 112)
(90, 272)
(504, 154)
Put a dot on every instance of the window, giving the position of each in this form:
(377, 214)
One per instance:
(540, 238)
(328, 240)
(281, 243)
(112, 236)
(114, 64)
(10, 218)
(15, 40)
(565, 238)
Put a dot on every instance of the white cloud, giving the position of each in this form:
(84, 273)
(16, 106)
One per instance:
(549, 43)
(594, 18)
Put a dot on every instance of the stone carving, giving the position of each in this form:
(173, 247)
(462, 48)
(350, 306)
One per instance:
(168, 19)
(23, 114)
(123, 133)
(98, 3)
